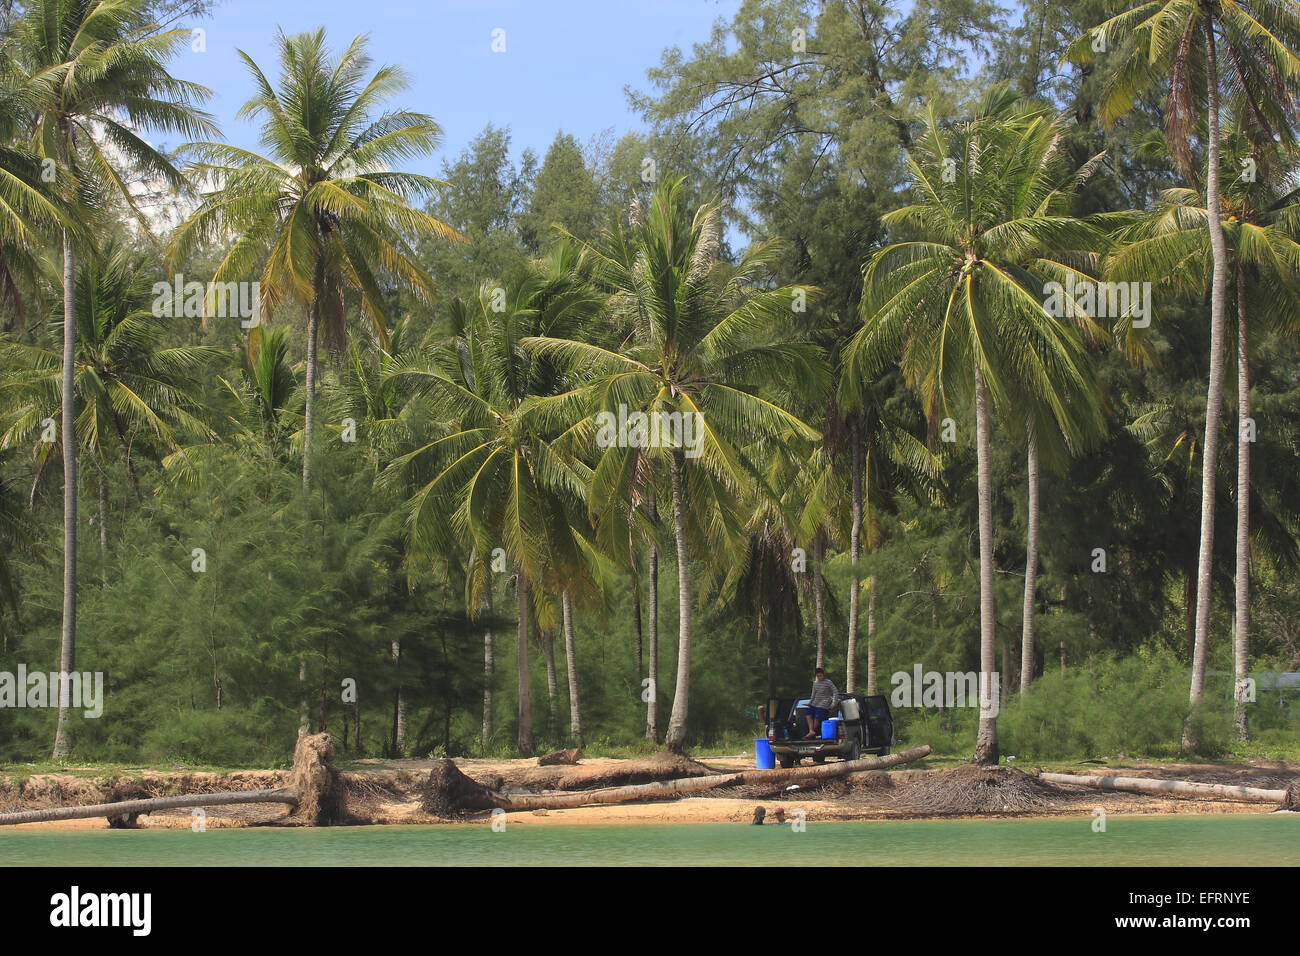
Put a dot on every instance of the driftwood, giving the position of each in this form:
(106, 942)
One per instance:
(469, 795)
(1288, 798)
(316, 796)
(127, 808)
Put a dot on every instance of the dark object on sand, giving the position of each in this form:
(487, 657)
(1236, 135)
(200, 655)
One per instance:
(448, 792)
(571, 756)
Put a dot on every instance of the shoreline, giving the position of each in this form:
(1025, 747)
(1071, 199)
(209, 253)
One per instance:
(687, 811)
(383, 793)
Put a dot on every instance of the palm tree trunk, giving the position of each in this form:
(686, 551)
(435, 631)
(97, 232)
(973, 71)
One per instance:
(571, 665)
(676, 739)
(68, 643)
(1214, 394)
(552, 685)
(1241, 639)
(399, 704)
(309, 417)
(525, 740)
(637, 636)
(652, 621)
(1031, 564)
(855, 539)
(986, 743)
(871, 634)
(103, 529)
(819, 612)
(489, 665)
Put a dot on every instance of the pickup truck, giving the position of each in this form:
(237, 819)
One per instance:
(865, 726)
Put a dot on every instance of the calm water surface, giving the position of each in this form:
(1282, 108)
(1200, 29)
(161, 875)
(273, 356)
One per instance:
(1227, 840)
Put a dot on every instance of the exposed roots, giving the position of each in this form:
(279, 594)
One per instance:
(972, 789)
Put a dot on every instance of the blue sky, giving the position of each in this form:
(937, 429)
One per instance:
(565, 64)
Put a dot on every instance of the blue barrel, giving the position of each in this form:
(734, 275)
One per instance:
(764, 759)
(830, 728)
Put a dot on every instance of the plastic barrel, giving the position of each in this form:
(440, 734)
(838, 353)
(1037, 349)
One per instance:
(764, 759)
(830, 728)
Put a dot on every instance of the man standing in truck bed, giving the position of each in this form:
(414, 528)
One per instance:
(820, 703)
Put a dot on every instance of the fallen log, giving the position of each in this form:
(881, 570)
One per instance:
(130, 807)
(471, 796)
(1209, 791)
(317, 795)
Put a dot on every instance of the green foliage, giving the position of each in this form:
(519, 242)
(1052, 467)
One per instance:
(454, 424)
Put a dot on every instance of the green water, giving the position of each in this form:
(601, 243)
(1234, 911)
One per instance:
(1236, 840)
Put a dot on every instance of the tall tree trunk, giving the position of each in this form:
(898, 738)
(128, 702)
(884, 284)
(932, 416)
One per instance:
(1006, 673)
(759, 633)
(1214, 394)
(855, 542)
(986, 743)
(571, 665)
(525, 740)
(871, 634)
(309, 417)
(676, 739)
(304, 722)
(652, 613)
(1031, 563)
(399, 704)
(819, 612)
(552, 684)
(324, 678)
(637, 635)
(489, 665)
(103, 528)
(1241, 639)
(68, 643)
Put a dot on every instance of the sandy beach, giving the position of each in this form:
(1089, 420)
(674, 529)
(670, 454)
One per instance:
(388, 792)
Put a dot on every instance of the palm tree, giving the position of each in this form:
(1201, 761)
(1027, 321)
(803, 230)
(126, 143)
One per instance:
(706, 346)
(961, 300)
(29, 209)
(885, 460)
(495, 480)
(1260, 224)
(325, 215)
(1258, 40)
(93, 73)
(128, 387)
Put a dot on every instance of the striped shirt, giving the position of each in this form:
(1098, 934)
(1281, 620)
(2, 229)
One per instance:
(823, 694)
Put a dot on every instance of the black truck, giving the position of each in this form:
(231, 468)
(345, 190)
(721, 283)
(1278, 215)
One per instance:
(865, 726)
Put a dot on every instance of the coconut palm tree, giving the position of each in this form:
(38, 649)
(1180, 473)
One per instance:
(495, 480)
(1260, 224)
(324, 216)
(961, 299)
(93, 73)
(710, 346)
(128, 387)
(1259, 41)
(30, 209)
